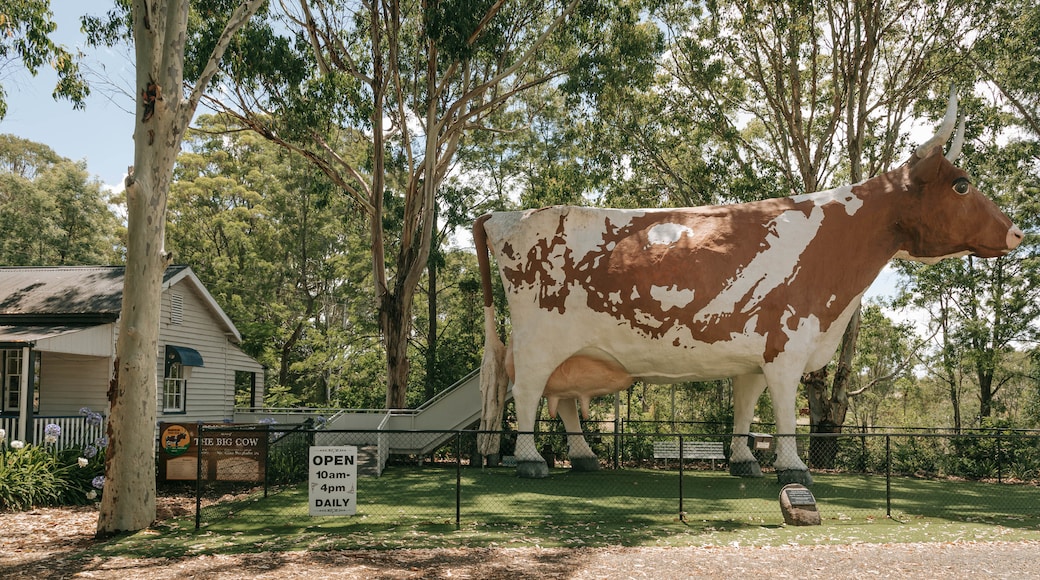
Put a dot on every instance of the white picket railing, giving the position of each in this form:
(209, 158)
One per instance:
(76, 430)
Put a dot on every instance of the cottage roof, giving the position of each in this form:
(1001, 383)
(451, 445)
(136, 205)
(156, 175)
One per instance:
(81, 294)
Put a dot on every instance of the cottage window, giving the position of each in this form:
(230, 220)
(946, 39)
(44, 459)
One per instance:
(174, 386)
(11, 381)
(12, 373)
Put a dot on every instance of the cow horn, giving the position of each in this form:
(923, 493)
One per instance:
(945, 130)
(958, 142)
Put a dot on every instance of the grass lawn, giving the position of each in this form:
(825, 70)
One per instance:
(415, 507)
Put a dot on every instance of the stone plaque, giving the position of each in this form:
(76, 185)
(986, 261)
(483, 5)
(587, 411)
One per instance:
(798, 506)
(800, 496)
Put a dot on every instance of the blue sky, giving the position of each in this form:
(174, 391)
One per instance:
(102, 133)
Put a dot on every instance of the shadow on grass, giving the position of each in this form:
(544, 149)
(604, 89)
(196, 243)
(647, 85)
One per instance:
(416, 507)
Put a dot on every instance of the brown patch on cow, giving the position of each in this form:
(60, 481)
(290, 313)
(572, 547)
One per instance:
(536, 269)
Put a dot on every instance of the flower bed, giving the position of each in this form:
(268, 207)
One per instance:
(43, 475)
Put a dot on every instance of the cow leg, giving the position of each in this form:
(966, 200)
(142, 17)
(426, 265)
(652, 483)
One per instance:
(578, 451)
(746, 391)
(529, 463)
(783, 389)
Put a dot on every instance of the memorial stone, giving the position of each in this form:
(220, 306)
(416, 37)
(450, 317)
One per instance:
(798, 506)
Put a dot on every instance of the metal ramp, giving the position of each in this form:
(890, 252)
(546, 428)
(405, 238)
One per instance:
(411, 431)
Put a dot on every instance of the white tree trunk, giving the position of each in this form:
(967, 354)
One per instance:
(163, 114)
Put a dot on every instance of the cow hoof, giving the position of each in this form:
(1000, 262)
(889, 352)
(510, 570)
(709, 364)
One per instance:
(532, 469)
(584, 464)
(800, 476)
(745, 469)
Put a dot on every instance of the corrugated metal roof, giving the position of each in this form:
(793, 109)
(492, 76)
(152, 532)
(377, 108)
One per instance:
(74, 290)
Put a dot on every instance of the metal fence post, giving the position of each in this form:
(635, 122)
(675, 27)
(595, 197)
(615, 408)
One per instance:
(682, 511)
(198, 478)
(1000, 461)
(458, 480)
(267, 458)
(888, 475)
(617, 426)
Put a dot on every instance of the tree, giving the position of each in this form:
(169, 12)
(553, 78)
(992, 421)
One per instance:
(51, 213)
(410, 82)
(25, 29)
(884, 359)
(160, 34)
(828, 88)
(271, 237)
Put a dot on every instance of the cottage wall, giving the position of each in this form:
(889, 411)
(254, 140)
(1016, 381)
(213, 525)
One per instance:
(69, 382)
(188, 321)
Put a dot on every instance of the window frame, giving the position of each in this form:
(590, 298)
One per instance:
(175, 385)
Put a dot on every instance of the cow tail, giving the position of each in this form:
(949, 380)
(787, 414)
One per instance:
(493, 378)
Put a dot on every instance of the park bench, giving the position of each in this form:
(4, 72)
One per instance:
(713, 450)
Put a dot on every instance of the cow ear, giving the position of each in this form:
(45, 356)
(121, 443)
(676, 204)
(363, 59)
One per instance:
(926, 169)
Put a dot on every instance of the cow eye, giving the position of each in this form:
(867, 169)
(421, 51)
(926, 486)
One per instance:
(961, 185)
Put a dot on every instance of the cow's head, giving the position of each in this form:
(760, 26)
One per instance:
(949, 216)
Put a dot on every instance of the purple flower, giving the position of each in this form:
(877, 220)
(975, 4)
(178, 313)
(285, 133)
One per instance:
(93, 418)
(51, 433)
(98, 482)
(102, 442)
(90, 451)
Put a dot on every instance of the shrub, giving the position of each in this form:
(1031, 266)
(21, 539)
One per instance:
(41, 476)
(287, 457)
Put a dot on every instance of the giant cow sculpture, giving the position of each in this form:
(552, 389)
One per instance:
(761, 292)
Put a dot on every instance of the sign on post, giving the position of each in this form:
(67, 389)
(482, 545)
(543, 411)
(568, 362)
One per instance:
(227, 455)
(333, 480)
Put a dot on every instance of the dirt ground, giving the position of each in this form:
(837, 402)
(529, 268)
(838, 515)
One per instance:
(40, 544)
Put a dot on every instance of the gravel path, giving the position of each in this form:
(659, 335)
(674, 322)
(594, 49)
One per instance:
(43, 544)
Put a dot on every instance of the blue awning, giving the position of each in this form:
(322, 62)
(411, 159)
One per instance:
(187, 356)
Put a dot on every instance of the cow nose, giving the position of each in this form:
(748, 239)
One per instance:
(1014, 237)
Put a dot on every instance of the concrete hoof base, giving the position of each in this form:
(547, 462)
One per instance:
(532, 469)
(745, 469)
(584, 464)
(788, 476)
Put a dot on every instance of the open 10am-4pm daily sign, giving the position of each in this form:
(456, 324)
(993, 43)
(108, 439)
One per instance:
(333, 481)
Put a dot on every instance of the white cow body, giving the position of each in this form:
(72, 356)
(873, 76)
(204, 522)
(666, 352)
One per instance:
(761, 292)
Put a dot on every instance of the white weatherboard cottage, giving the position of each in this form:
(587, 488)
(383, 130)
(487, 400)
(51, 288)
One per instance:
(58, 329)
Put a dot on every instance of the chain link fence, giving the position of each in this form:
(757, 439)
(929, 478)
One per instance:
(438, 478)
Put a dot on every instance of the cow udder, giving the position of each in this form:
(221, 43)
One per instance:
(580, 377)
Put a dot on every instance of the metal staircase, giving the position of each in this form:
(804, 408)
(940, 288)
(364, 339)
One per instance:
(410, 431)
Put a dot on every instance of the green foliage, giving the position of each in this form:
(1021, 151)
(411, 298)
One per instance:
(281, 249)
(51, 212)
(41, 476)
(287, 456)
(280, 397)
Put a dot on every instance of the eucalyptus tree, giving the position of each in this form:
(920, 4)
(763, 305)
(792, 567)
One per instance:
(410, 81)
(985, 310)
(278, 247)
(51, 212)
(884, 361)
(166, 100)
(813, 94)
